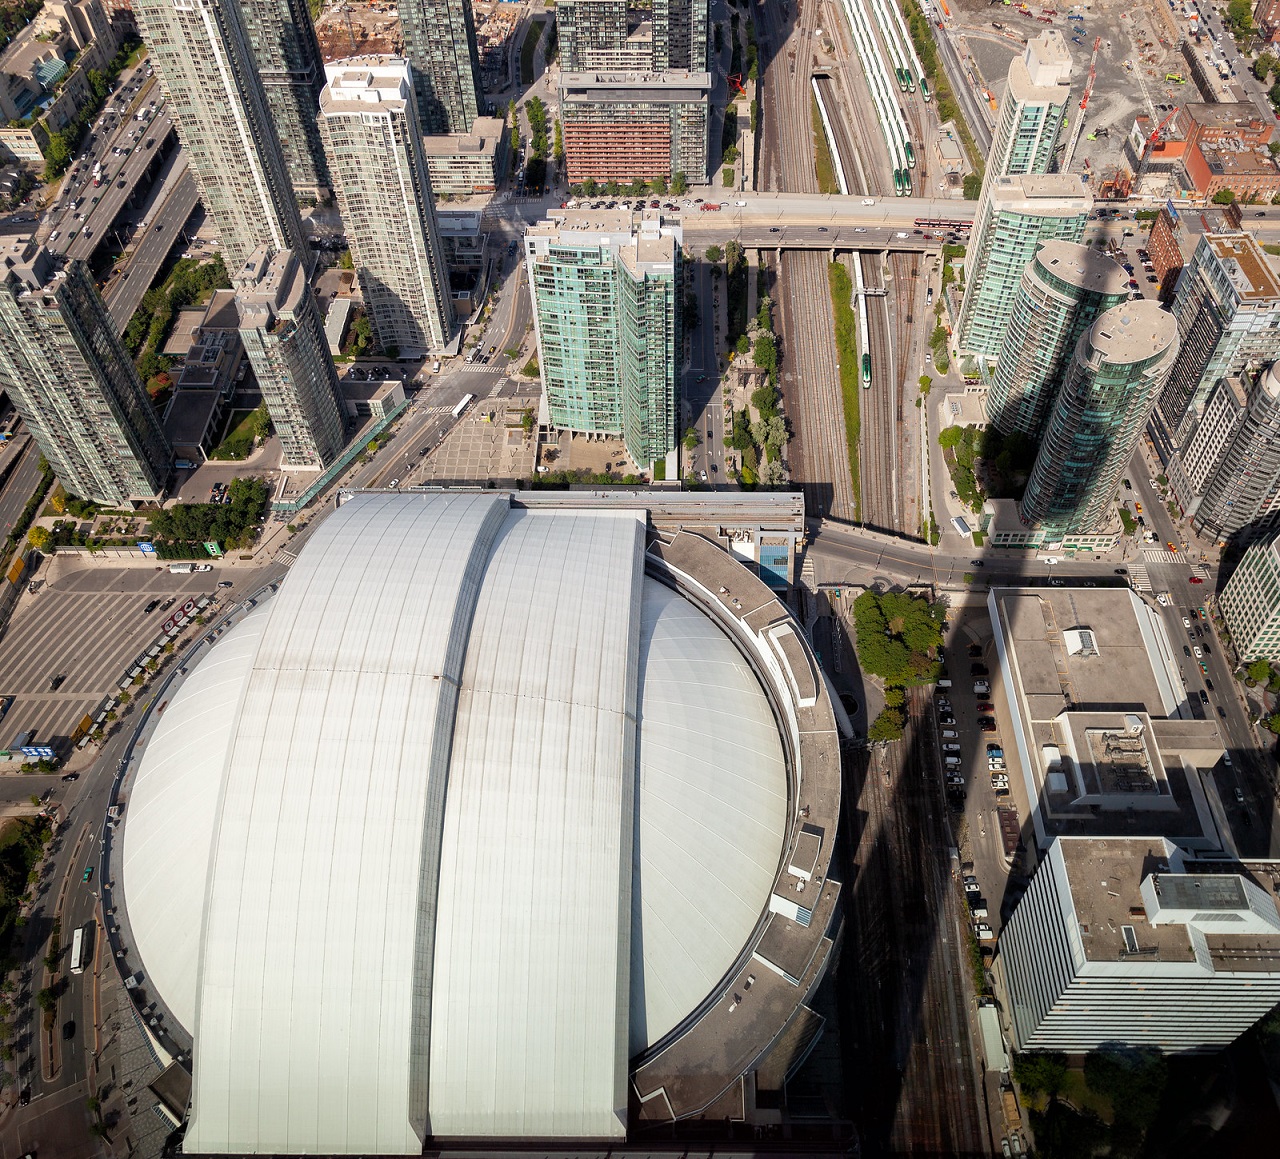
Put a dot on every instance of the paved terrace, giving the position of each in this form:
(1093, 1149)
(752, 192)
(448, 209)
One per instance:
(697, 1072)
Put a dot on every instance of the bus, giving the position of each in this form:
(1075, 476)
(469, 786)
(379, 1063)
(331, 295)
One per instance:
(465, 401)
(78, 953)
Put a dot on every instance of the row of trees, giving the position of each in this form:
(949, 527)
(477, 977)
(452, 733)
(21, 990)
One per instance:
(187, 526)
(899, 639)
(678, 186)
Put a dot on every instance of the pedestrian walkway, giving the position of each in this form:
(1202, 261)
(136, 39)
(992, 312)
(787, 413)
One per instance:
(1138, 577)
(1163, 555)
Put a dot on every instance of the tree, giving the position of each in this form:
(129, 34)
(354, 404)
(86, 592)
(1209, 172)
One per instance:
(887, 726)
(925, 383)
(950, 437)
(691, 439)
(589, 187)
(557, 148)
(1259, 671)
(659, 184)
(732, 255)
(972, 187)
(1040, 1072)
(45, 1000)
(679, 185)
(1224, 197)
(713, 253)
(743, 345)
(40, 538)
(362, 333)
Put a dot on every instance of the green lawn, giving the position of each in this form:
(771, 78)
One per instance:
(847, 349)
(237, 437)
(823, 164)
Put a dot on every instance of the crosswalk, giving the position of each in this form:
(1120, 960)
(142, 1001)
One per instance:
(1138, 576)
(1163, 555)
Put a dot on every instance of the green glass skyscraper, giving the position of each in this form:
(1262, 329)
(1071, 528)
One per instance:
(1118, 369)
(606, 306)
(1062, 292)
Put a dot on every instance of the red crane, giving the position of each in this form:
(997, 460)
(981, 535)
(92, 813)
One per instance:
(1084, 104)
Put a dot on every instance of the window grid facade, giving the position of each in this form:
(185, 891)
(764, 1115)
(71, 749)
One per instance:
(440, 45)
(74, 384)
(370, 126)
(216, 99)
(1250, 603)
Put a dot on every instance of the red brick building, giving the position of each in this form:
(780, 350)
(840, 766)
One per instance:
(1226, 148)
(1266, 16)
(1166, 252)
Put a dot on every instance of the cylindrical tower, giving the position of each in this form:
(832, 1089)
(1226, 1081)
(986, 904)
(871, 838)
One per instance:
(1119, 366)
(1063, 291)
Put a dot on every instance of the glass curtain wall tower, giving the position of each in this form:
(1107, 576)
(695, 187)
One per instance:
(440, 46)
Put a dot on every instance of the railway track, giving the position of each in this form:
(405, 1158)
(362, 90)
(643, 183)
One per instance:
(910, 1062)
(818, 453)
(879, 428)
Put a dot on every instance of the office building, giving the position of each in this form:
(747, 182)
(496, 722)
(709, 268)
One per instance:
(1227, 477)
(440, 46)
(491, 731)
(283, 336)
(291, 69)
(1032, 111)
(624, 126)
(369, 121)
(71, 379)
(1250, 602)
(606, 307)
(1227, 304)
(203, 54)
(1128, 942)
(1115, 375)
(1014, 217)
(1063, 290)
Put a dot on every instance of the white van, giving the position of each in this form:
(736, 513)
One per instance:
(435, 369)
(949, 733)
(944, 683)
(950, 748)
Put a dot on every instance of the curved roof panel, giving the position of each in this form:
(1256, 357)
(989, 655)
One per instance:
(713, 812)
(313, 982)
(173, 808)
(528, 1030)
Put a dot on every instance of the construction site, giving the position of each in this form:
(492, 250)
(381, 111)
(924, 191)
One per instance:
(1135, 67)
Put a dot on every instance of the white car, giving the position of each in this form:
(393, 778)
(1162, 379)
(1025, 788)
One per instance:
(1185, 622)
(1162, 600)
(1199, 654)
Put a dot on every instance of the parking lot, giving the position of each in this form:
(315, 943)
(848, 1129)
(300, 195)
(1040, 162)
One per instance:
(982, 775)
(86, 628)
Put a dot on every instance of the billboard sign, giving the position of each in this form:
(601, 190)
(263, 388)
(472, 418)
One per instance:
(147, 548)
(214, 550)
(39, 751)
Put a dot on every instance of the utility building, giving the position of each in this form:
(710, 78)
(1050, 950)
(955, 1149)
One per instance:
(1115, 375)
(208, 67)
(369, 120)
(73, 382)
(606, 304)
(1063, 291)
(1126, 941)
(283, 336)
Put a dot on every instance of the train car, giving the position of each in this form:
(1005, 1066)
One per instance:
(866, 372)
(901, 74)
(898, 183)
(911, 82)
(906, 183)
(911, 154)
(924, 90)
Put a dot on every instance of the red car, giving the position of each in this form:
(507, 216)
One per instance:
(984, 707)
(1195, 579)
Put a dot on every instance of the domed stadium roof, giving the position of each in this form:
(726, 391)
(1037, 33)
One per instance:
(437, 838)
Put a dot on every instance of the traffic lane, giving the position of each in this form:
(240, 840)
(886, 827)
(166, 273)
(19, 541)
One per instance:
(19, 488)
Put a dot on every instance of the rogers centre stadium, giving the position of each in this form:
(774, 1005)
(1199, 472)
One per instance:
(498, 821)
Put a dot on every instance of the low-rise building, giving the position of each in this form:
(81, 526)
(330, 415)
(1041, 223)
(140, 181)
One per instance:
(1165, 250)
(364, 400)
(466, 163)
(1250, 172)
(1127, 941)
(624, 126)
(213, 362)
(1250, 602)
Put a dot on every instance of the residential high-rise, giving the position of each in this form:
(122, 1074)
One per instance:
(1227, 304)
(283, 39)
(1015, 216)
(64, 367)
(1116, 372)
(615, 36)
(369, 121)
(1063, 290)
(283, 336)
(623, 126)
(440, 46)
(1032, 111)
(207, 66)
(1126, 941)
(1250, 602)
(1228, 475)
(606, 307)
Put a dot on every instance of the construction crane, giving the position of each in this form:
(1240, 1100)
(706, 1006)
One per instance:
(1084, 104)
(1150, 145)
